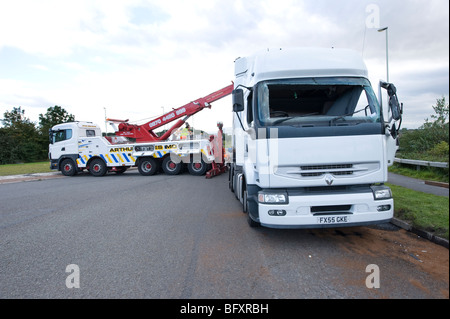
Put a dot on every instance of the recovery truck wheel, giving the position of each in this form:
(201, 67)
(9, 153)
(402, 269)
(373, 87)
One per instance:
(197, 167)
(148, 166)
(97, 167)
(170, 167)
(68, 167)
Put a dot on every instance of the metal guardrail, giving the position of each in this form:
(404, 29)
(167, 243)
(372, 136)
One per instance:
(421, 163)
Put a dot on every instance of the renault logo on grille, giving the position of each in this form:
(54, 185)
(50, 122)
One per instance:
(329, 179)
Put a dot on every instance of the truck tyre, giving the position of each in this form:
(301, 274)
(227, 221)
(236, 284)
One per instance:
(251, 222)
(197, 167)
(235, 185)
(246, 208)
(97, 167)
(170, 167)
(231, 179)
(148, 166)
(244, 201)
(68, 167)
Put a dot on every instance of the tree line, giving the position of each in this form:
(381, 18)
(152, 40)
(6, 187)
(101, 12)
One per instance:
(22, 140)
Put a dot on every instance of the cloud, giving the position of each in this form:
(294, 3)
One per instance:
(135, 57)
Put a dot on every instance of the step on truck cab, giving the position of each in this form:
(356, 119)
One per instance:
(311, 144)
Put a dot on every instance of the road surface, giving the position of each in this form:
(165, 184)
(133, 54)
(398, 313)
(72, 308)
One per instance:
(186, 237)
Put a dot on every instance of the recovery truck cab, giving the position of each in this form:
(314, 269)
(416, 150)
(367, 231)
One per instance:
(311, 145)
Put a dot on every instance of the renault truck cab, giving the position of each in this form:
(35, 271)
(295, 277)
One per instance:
(311, 145)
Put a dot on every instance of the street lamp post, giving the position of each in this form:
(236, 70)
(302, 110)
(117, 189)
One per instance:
(387, 54)
(106, 123)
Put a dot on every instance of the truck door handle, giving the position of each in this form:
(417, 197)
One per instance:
(63, 149)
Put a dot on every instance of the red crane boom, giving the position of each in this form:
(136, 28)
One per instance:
(145, 132)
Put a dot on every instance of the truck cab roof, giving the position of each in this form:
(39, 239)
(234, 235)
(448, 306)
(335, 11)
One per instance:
(78, 124)
(300, 63)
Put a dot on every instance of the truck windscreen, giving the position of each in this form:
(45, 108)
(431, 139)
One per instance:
(316, 102)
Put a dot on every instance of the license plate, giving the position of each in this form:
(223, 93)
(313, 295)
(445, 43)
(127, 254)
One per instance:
(333, 219)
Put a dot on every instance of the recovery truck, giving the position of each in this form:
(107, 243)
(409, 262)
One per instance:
(76, 146)
(311, 144)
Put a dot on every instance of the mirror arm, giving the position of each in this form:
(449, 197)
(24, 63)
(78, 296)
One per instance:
(239, 118)
(245, 87)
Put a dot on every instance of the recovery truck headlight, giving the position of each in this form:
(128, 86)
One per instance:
(381, 192)
(272, 198)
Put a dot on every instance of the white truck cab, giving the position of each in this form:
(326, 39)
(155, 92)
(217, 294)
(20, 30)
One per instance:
(64, 144)
(311, 145)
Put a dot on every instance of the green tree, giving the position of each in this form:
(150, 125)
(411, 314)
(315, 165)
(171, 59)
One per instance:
(54, 115)
(440, 119)
(20, 138)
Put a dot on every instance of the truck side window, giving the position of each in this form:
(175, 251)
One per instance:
(250, 108)
(90, 133)
(62, 135)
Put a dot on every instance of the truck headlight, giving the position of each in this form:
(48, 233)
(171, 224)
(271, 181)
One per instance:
(272, 198)
(381, 192)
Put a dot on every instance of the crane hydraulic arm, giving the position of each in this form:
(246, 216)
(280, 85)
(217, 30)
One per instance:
(145, 132)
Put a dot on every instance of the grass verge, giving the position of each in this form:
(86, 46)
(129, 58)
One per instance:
(26, 168)
(424, 211)
(425, 173)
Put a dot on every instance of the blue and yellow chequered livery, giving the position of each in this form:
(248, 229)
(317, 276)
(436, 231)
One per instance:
(114, 159)
(126, 155)
(159, 154)
(116, 156)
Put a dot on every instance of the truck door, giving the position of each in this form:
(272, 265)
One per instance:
(63, 142)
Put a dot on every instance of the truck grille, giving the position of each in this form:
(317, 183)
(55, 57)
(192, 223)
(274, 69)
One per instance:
(319, 170)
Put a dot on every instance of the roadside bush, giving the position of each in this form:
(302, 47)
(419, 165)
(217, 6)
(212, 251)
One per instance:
(430, 141)
(441, 149)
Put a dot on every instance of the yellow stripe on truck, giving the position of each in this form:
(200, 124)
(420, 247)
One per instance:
(109, 158)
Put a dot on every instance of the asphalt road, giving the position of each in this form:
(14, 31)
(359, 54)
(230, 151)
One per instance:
(417, 185)
(185, 237)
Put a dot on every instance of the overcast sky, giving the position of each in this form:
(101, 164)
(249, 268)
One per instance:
(132, 59)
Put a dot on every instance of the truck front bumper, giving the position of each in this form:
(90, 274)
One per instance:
(325, 210)
(54, 164)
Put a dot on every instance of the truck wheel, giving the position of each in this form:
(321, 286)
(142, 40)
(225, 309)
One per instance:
(148, 166)
(231, 179)
(68, 167)
(244, 202)
(197, 167)
(97, 167)
(251, 222)
(246, 209)
(170, 167)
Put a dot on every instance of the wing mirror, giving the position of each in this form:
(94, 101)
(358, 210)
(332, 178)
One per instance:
(238, 100)
(394, 105)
